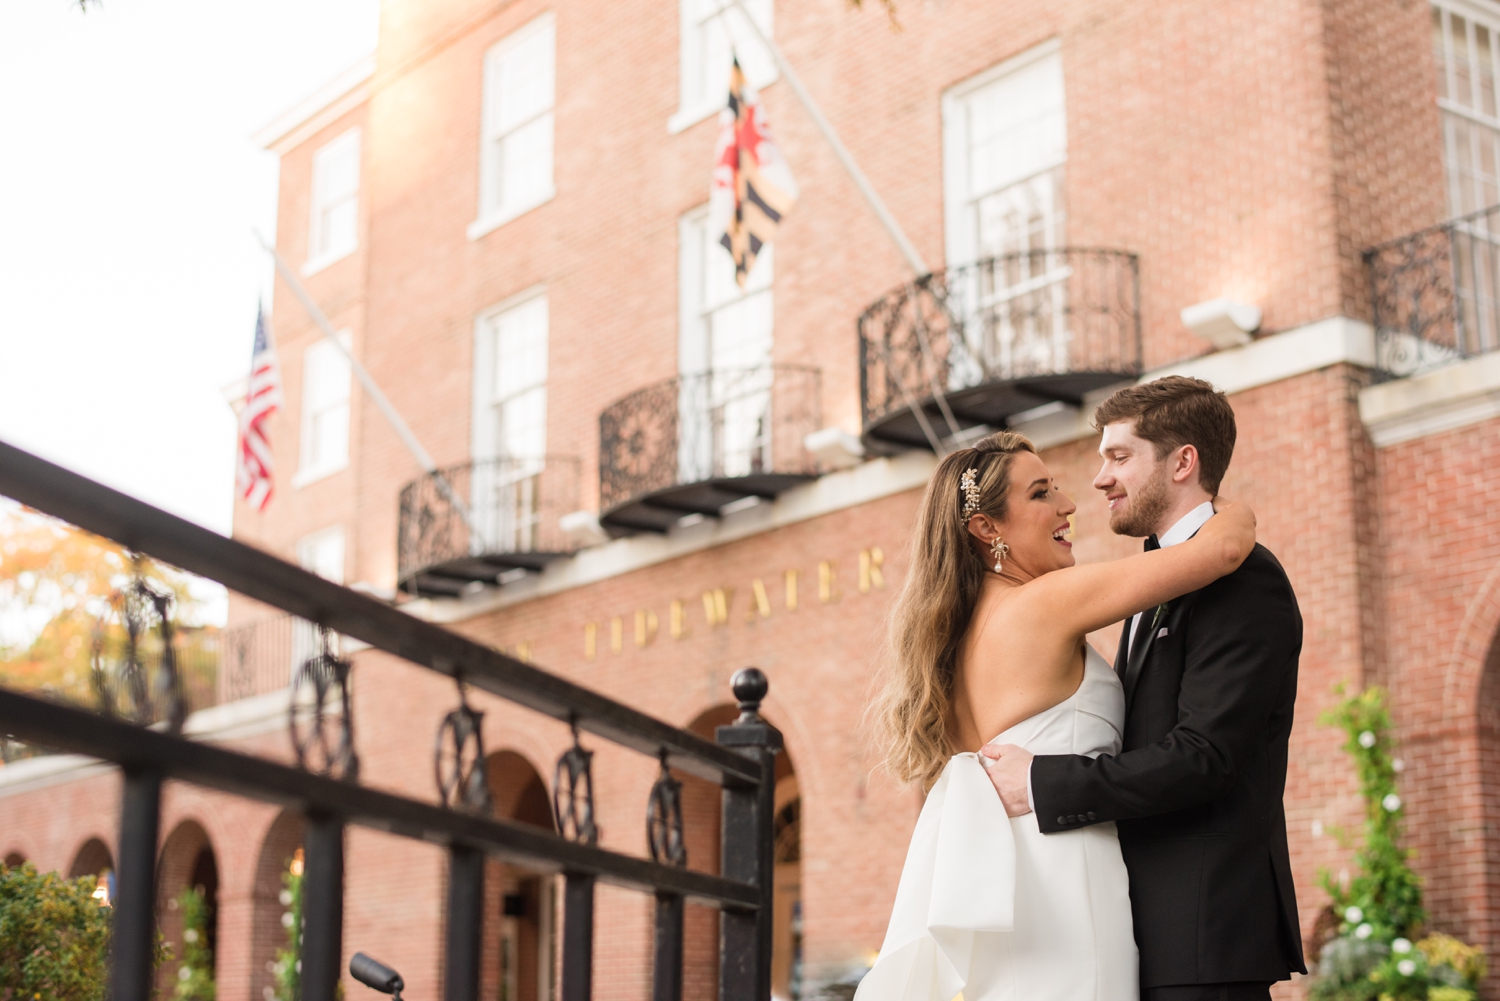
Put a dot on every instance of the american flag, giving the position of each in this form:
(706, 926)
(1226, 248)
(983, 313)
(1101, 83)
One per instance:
(753, 187)
(253, 471)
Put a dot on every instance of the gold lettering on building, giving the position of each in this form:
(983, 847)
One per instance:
(616, 634)
(827, 581)
(677, 619)
(590, 640)
(762, 605)
(870, 575)
(791, 589)
(523, 651)
(645, 627)
(716, 605)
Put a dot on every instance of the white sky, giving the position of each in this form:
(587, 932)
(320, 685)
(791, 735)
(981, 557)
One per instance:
(128, 191)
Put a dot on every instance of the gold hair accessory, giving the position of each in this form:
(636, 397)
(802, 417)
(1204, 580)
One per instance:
(971, 494)
(1001, 550)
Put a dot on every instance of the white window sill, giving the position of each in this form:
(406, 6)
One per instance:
(316, 264)
(488, 224)
(304, 477)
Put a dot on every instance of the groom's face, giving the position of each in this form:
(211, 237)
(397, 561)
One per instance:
(1134, 481)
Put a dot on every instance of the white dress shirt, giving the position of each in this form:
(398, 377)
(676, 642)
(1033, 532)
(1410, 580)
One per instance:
(1184, 529)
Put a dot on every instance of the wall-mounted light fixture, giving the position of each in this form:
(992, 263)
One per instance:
(1224, 323)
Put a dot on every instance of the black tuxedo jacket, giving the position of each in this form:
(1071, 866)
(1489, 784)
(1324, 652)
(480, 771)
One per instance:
(1197, 787)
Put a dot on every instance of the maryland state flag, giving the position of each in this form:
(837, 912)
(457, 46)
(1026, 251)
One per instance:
(753, 187)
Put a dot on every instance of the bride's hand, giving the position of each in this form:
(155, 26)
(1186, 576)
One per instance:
(1233, 525)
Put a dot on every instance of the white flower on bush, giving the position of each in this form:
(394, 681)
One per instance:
(1392, 802)
(286, 898)
(1354, 915)
(191, 935)
(1398, 765)
(286, 919)
(1406, 967)
(1401, 946)
(1367, 739)
(184, 972)
(1364, 931)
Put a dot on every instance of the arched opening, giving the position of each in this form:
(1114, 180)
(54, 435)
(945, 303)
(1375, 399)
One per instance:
(786, 905)
(269, 913)
(519, 960)
(187, 864)
(94, 859)
(13, 859)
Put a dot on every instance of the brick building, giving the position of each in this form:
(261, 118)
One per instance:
(503, 212)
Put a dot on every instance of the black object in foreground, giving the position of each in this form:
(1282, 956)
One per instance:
(373, 973)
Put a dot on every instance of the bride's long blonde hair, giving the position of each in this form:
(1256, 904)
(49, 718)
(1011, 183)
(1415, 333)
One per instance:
(909, 713)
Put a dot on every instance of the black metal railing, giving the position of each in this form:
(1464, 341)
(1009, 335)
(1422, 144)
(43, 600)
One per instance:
(1435, 295)
(324, 785)
(694, 443)
(469, 523)
(973, 344)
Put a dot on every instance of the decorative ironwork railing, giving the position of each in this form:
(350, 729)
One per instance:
(475, 520)
(1027, 315)
(720, 425)
(325, 785)
(262, 656)
(1435, 295)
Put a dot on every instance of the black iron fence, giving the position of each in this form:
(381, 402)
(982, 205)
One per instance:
(727, 426)
(472, 522)
(324, 786)
(1062, 319)
(1435, 294)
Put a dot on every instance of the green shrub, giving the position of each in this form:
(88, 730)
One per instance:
(195, 977)
(54, 937)
(1374, 957)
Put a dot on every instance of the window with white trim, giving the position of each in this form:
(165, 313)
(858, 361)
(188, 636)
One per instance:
(325, 410)
(724, 354)
(510, 433)
(333, 231)
(1466, 49)
(321, 553)
(1005, 141)
(515, 157)
(709, 41)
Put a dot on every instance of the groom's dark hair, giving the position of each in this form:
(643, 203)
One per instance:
(1174, 411)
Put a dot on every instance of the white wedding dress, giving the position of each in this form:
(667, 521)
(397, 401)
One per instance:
(990, 908)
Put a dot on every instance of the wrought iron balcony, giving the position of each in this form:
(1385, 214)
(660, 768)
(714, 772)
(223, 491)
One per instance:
(970, 347)
(696, 443)
(1436, 295)
(469, 524)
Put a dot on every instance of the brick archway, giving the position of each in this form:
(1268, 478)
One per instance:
(267, 932)
(518, 958)
(187, 861)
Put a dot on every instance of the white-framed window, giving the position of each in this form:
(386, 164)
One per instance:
(510, 421)
(333, 231)
(724, 356)
(709, 41)
(321, 553)
(1466, 49)
(515, 155)
(1005, 141)
(325, 411)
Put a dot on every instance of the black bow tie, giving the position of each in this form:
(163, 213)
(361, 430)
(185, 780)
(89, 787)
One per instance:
(1151, 543)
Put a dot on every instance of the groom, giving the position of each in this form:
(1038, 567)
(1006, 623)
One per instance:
(1209, 679)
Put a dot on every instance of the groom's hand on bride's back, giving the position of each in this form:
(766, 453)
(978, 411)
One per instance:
(1009, 769)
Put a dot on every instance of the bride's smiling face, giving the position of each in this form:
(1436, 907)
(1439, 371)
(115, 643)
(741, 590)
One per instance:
(1035, 526)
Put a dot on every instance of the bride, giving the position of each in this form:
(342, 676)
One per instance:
(987, 640)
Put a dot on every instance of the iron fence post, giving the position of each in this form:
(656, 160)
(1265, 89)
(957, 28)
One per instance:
(578, 937)
(323, 908)
(745, 935)
(465, 924)
(133, 944)
(667, 969)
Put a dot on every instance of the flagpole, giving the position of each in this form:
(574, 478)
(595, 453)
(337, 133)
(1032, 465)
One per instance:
(906, 248)
(392, 416)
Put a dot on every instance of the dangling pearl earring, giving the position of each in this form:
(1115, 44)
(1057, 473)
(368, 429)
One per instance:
(1001, 550)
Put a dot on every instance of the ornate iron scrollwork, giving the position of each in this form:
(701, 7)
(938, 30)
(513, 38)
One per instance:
(573, 794)
(322, 745)
(664, 819)
(127, 686)
(459, 760)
